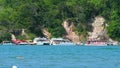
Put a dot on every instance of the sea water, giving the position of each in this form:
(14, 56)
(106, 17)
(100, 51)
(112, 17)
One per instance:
(60, 56)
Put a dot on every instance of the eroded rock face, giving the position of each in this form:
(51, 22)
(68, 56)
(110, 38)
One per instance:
(46, 33)
(23, 33)
(19, 32)
(13, 37)
(98, 31)
(69, 26)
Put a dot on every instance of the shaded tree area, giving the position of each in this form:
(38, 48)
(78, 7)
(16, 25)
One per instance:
(34, 15)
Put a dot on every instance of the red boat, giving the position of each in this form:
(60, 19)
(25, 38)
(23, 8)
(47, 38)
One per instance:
(20, 42)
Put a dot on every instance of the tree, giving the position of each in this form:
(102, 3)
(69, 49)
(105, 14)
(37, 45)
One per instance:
(114, 30)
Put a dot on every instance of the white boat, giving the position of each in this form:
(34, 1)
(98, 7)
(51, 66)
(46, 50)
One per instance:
(95, 44)
(112, 43)
(60, 41)
(41, 41)
(7, 43)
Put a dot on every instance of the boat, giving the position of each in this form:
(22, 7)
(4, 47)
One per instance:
(7, 43)
(60, 41)
(41, 41)
(95, 43)
(20, 42)
(112, 43)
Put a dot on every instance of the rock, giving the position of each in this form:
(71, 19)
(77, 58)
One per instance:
(69, 26)
(98, 31)
(13, 37)
(46, 33)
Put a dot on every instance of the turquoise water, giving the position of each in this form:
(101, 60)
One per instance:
(60, 56)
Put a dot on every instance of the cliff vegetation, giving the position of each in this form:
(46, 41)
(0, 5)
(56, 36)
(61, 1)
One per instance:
(35, 15)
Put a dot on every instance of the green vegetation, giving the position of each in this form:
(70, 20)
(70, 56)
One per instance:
(114, 30)
(34, 15)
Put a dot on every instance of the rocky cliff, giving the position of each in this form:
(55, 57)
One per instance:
(98, 32)
(69, 27)
(46, 33)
